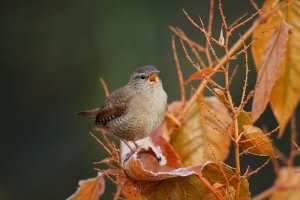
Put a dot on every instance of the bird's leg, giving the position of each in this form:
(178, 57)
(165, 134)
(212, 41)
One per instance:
(136, 145)
(127, 145)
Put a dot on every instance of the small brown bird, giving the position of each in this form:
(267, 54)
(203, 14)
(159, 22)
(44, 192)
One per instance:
(132, 112)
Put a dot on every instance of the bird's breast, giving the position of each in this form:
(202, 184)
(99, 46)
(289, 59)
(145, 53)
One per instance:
(148, 108)
(145, 112)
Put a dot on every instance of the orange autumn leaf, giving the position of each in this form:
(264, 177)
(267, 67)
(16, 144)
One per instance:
(201, 74)
(285, 94)
(269, 69)
(89, 189)
(204, 134)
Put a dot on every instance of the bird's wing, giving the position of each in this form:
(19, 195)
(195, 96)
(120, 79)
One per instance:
(114, 106)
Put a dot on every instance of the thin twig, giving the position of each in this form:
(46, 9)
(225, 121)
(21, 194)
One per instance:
(223, 16)
(177, 31)
(213, 82)
(233, 74)
(196, 67)
(180, 77)
(238, 20)
(209, 30)
(255, 6)
(101, 143)
(258, 169)
(208, 41)
(201, 29)
(235, 56)
(243, 22)
(246, 74)
(106, 92)
(191, 45)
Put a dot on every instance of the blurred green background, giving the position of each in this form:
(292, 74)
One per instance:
(52, 56)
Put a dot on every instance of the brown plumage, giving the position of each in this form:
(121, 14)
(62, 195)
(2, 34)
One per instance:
(132, 112)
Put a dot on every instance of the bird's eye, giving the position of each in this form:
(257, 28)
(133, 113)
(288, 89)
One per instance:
(143, 77)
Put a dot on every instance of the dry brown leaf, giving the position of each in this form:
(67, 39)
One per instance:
(201, 74)
(157, 182)
(89, 189)
(203, 135)
(244, 118)
(285, 94)
(256, 142)
(288, 183)
(270, 68)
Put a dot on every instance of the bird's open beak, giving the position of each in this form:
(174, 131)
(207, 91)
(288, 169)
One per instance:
(153, 77)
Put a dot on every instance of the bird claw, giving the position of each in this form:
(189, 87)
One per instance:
(136, 145)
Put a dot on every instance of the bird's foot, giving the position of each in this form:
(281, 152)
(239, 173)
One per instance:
(136, 145)
(132, 150)
(127, 144)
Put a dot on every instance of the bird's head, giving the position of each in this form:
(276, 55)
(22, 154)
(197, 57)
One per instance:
(146, 76)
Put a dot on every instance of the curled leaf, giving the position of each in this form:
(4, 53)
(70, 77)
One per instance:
(89, 189)
(254, 141)
(204, 134)
(157, 182)
(145, 144)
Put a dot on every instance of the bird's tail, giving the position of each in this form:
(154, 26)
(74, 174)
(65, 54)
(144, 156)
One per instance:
(89, 113)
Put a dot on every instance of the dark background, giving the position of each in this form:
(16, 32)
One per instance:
(52, 55)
